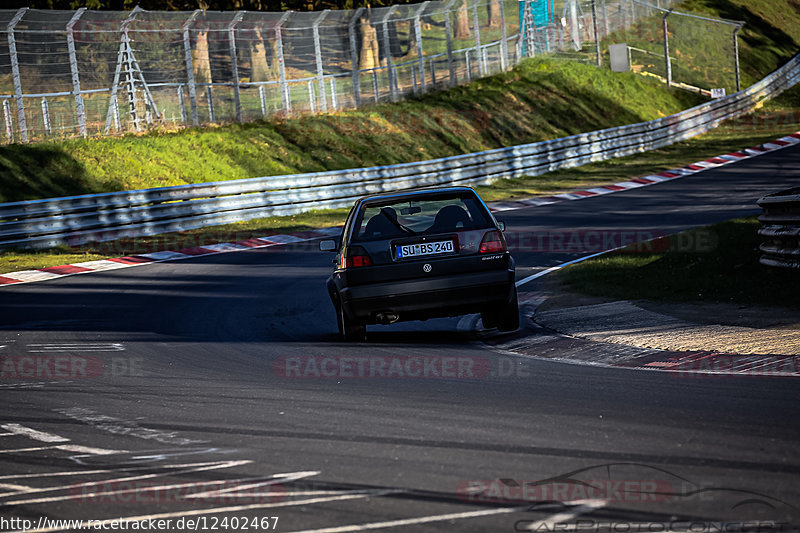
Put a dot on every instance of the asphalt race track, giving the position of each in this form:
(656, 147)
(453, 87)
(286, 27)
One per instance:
(216, 390)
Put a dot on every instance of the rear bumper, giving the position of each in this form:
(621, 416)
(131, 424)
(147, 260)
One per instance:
(451, 295)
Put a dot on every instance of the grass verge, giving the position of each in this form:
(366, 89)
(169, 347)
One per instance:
(723, 269)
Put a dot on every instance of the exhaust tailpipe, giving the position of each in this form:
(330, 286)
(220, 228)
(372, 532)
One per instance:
(387, 317)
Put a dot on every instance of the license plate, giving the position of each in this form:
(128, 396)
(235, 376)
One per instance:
(424, 248)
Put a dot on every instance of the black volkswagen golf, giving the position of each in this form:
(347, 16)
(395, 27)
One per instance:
(418, 255)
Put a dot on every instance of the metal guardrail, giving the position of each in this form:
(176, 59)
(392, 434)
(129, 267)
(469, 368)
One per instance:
(781, 229)
(78, 220)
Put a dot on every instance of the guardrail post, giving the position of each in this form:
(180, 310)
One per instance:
(334, 98)
(182, 104)
(311, 100)
(114, 114)
(736, 57)
(187, 54)
(210, 100)
(262, 96)
(351, 29)
(477, 31)
(667, 60)
(235, 63)
(12, 51)
(449, 31)
(46, 116)
(80, 112)
(318, 56)
(7, 119)
(285, 97)
(388, 52)
(418, 32)
(375, 85)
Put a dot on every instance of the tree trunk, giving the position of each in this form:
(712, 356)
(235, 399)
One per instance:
(200, 59)
(370, 55)
(260, 60)
(494, 13)
(462, 22)
(412, 39)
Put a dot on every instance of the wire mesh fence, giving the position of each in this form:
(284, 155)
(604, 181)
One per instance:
(685, 49)
(84, 72)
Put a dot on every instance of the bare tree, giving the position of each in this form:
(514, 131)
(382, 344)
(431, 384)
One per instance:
(370, 52)
(264, 65)
(200, 59)
(494, 13)
(462, 22)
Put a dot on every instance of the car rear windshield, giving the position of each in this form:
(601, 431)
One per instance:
(424, 215)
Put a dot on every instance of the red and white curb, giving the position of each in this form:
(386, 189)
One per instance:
(44, 274)
(688, 170)
(549, 345)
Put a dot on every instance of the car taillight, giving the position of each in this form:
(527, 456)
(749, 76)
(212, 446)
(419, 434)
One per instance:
(493, 242)
(355, 257)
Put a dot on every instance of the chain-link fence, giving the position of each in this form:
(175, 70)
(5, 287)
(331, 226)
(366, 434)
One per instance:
(66, 73)
(684, 49)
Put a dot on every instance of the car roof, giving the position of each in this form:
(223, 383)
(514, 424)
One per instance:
(416, 193)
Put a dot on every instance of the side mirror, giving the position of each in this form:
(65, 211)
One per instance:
(327, 245)
(501, 225)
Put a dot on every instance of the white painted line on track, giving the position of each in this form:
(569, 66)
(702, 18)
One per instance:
(547, 271)
(276, 479)
(88, 449)
(12, 486)
(108, 470)
(76, 347)
(77, 486)
(549, 523)
(26, 450)
(413, 521)
(18, 429)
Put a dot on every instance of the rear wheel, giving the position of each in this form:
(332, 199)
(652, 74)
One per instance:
(351, 330)
(507, 318)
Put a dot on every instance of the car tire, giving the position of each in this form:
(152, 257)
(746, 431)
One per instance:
(507, 318)
(350, 330)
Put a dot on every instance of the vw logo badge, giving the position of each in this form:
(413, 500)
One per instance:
(427, 267)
